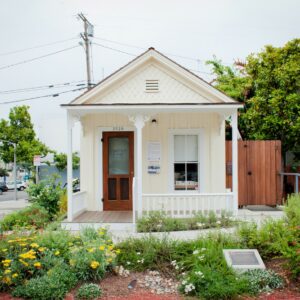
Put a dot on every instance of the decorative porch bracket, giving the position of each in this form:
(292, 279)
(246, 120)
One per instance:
(139, 121)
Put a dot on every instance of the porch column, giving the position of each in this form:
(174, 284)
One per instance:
(139, 122)
(69, 166)
(234, 128)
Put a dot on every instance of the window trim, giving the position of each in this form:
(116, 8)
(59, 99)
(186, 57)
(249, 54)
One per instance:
(200, 133)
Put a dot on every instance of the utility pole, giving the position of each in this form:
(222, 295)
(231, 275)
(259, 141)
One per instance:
(88, 32)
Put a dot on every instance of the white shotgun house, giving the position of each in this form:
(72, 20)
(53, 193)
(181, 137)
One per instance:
(152, 139)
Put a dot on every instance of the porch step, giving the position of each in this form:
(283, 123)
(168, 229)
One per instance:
(77, 226)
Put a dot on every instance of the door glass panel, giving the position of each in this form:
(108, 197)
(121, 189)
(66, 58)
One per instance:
(118, 155)
(112, 188)
(124, 188)
(179, 148)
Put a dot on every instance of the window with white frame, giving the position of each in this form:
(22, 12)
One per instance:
(186, 162)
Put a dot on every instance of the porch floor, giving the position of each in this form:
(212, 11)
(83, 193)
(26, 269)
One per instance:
(104, 217)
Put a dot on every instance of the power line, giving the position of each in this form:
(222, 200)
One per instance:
(36, 47)
(36, 58)
(44, 96)
(41, 87)
(114, 49)
(142, 48)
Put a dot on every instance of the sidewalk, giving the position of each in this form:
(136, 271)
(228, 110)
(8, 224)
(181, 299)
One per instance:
(6, 207)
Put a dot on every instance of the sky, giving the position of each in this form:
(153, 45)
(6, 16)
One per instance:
(189, 32)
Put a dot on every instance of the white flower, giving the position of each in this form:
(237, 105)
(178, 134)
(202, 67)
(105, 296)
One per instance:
(218, 222)
(184, 282)
(200, 224)
(200, 274)
(201, 257)
(142, 260)
(159, 225)
(176, 267)
(173, 263)
(128, 262)
(138, 253)
(188, 288)
(196, 252)
(203, 249)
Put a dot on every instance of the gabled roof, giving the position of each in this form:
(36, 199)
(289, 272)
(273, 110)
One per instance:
(125, 86)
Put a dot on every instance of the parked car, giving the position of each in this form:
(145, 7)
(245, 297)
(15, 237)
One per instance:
(21, 185)
(3, 187)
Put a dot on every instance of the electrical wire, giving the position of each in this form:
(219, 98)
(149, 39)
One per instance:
(44, 96)
(114, 49)
(36, 47)
(36, 58)
(42, 87)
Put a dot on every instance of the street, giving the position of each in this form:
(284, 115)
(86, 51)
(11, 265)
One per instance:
(10, 195)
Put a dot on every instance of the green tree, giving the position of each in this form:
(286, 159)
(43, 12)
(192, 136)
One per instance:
(19, 129)
(3, 172)
(60, 160)
(269, 85)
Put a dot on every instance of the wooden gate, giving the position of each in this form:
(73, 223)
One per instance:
(259, 165)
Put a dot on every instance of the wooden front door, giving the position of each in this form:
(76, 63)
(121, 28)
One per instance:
(117, 170)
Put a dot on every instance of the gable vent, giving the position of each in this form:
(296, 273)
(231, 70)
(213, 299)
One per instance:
(152, 86)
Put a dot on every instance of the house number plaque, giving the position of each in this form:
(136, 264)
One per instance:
(118, 128)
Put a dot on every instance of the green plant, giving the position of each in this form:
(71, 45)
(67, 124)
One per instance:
(271, 239)
(53, 285)
(47, 194)
(157, 221)
(292, 210)
(262, 281)
(32, 216)
(89, 291)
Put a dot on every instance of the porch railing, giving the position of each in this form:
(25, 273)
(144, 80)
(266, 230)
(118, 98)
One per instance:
(186, 205)
(78, 203)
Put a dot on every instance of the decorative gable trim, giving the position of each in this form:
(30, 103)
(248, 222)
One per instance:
(170, 67)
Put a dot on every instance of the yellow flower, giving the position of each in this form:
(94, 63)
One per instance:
(70, 244)
(42, 249)
(109, 260)
(94, 264)
(15, 275)
(4, 250)
(118, 251)
(28, 255)
(7, 271)
(91, 250)
(34, 245)
(101, 248)
(57, 253)
(110, 247)
(6, 261)
(23, 244)
(72, 262)
(6, 280)
(23, 262)
(37, 265)
(11, 241)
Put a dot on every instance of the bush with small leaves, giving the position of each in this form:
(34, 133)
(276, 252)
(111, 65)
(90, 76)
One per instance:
(262, 281)
(89, 291)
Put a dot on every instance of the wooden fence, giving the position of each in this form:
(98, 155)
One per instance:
(259, 165)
